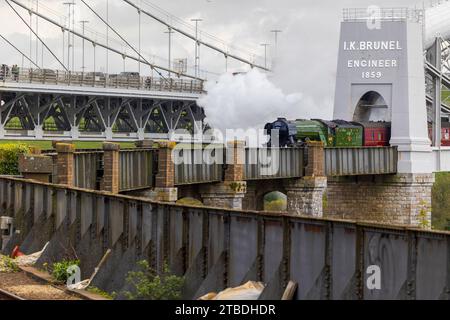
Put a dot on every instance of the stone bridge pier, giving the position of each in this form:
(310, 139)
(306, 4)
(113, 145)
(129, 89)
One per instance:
(395, 199)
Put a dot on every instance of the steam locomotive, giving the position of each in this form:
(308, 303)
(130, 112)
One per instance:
(338, 133)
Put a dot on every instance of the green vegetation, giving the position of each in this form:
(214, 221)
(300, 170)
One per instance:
(149, 285)
(441, 201)
(9, 158)
(59, 269)
(190, 202)
(275, 201)
(100, 292)
(47, 145)
(7, 265)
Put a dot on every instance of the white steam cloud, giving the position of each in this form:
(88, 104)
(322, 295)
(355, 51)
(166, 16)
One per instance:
(250, 100)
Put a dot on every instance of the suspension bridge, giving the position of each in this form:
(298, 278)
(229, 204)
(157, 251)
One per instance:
(68, 103)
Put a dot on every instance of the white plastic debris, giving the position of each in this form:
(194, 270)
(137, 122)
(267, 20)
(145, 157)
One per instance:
(30, 260)
(249, 291)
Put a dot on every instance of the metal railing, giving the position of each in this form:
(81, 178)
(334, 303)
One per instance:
(98, 79)
(194, 170)
(274, 163)
(384, 14)
(137, 169)
(360, 161)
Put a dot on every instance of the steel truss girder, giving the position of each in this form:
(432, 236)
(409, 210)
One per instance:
(63, 113)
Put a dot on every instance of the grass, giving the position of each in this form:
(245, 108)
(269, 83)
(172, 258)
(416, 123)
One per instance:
(101, 293)
(47, 145)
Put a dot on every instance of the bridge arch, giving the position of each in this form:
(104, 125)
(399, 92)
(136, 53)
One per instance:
(372, 106)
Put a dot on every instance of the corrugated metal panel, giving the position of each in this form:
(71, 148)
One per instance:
(85, 169)
(274, 163)
(193, 169)
(136, 169)
(360, 161)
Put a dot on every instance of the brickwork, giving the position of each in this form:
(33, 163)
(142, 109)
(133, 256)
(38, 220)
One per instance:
(166, 168)
(235, 161)
(316, 159)
(36, 167)
(401, 199)
(111, 173)
(64, 163)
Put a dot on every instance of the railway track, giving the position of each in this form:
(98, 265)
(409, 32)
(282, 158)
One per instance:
(5, 295)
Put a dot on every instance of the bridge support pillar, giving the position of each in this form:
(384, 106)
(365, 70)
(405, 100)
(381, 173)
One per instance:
(141, 134)
(64, 163)
(400, 199)
(108, 133)
(230, 193)
(305, 196)
(75, 132)
(165, 190)
(39, 132)
(2, 131)
(111, 173)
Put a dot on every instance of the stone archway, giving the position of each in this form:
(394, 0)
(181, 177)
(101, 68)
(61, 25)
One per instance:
(372, 107)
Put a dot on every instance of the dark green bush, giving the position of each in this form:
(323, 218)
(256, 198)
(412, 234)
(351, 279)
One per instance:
(59, 269)
(9, 158)
(148, 285)
(441, 201)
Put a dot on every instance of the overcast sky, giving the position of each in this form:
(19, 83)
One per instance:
(307, 46)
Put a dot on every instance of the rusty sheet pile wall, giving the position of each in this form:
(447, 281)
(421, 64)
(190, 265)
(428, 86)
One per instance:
(216, 248)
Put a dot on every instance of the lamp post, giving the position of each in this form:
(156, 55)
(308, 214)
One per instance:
(197, 47)
(276, 32)
(69, 45)
(83, 22)
(265, 45)
(170, 32)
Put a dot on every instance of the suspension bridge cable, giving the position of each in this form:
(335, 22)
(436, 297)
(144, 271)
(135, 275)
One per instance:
(174, 18)
(80, 35)
(195, 38)
(124, 40)
(23, 54)
(37, 36)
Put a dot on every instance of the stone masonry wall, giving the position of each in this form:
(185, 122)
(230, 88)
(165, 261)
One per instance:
(400, 199)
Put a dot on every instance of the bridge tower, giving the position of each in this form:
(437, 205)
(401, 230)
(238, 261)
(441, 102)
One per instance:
(380, 77)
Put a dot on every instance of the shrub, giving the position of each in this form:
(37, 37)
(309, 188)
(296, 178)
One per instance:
(9, 158)
(59, 269)
(8, 265)
(149, 285)
(441, 201)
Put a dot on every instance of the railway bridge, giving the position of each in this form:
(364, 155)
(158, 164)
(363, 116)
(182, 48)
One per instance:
(355, 183)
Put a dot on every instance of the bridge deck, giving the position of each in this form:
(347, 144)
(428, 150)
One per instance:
(98, 84)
